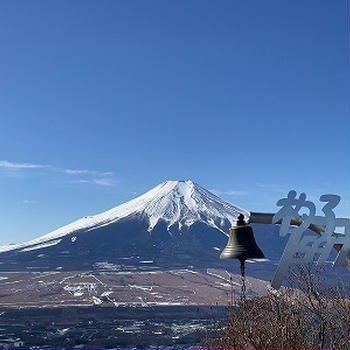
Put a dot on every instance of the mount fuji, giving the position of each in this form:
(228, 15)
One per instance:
(160, 249)
(175, 224)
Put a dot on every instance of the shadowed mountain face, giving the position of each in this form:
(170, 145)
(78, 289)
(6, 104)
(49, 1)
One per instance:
(176, 224)
(126, 242)
(127, 245)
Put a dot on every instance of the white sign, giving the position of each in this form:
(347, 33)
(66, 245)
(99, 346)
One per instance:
(305, 246)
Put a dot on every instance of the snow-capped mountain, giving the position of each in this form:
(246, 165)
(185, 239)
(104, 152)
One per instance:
(175, 224)
(177, 203)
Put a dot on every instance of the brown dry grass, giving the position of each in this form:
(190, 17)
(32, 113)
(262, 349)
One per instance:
(308, 315)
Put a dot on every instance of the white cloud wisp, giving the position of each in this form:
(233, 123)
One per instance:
(101, 178)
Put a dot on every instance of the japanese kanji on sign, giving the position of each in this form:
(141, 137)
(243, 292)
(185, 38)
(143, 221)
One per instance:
(305, 246)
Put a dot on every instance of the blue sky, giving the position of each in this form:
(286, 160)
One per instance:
(102, 100)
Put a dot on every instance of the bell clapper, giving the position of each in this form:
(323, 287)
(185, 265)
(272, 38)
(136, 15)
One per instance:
(244, 288)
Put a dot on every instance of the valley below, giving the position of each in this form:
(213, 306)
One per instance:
(153, 309)
(94, 327)
(150, 288)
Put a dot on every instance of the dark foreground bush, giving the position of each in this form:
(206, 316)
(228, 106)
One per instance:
(309, 317)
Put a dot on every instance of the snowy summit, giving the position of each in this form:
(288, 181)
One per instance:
(180, 203)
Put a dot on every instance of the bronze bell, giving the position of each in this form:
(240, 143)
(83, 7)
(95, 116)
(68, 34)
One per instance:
(241, 243)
